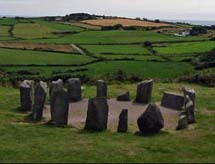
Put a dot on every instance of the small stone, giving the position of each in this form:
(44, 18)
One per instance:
(74, 89)
(101, 88)
(173, 100)
(151, 121)
(123, 121)
(144, 92)
(39, 100)
(182, 122)
(97, 114)
(124, 97)
(26, 95)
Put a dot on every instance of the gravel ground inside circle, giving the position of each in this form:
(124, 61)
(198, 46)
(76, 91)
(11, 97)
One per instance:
(78, 114)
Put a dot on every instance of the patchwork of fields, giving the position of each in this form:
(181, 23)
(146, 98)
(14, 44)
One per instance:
(77, 50)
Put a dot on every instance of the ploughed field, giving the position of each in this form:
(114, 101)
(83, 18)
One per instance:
(44, 50)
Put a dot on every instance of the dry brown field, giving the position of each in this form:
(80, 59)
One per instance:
(125, 23)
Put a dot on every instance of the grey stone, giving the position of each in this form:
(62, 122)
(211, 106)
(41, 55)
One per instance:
(182, 122)
(172, 100)
(26, 95)
(151, 121)
(56, 86)
(190, 97)
(74, 89)
(59, 108)
(124, 97)
(144, 92)
(39, 100)
(123, 121)
(97, 114)
(101, 88)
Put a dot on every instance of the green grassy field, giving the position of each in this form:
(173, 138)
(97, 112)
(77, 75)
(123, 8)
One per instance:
(141, 69)
(185, 48)
(4, 31)
(32, 30)
(116, 49)
(27, 57)
(116, 37)
(38, 143)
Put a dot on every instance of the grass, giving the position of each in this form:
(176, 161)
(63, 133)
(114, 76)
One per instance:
(116, 49)
(45, 144)
(27, 57)
(42, 29)
(143, 69)
(4, 31)
(185, 48)
(135, 57)
(108, 70)
(115, 37)
(61, 27)
(32, 30)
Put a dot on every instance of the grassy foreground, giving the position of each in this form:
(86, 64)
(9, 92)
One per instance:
(26, 142)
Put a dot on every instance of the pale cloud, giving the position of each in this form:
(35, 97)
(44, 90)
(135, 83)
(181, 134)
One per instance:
(166, 9)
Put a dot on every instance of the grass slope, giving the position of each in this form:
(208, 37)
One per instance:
(185, 48)
(116, 37)
(27, 57)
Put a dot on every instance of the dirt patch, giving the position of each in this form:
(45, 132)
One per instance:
(78, 113)
(42, 47)
(125, 23)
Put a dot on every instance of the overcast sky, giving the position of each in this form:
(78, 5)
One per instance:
(161, 9)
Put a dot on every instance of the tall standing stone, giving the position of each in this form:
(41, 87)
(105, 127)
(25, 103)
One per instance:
(151, 121)
(144, 92)
(97, 114)
(123, 121)
(26, 95)
(190, 96)
(59, 108)
(74, 89)
(39, 100)
(101, 88)
(56, 86)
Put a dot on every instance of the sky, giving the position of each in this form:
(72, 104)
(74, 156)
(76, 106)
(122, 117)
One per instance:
(151, 9)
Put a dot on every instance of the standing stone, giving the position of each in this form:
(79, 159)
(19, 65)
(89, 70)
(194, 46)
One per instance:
(182, 122)
(26, 95)
(123, 121)
(39, 100)
(190, 96)
(59, 108)
(56, 86)
(151, 121)
(97, 114)
(74, 89)
(101, 88)
(173, 100)
(124, 97)
(144, 92)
